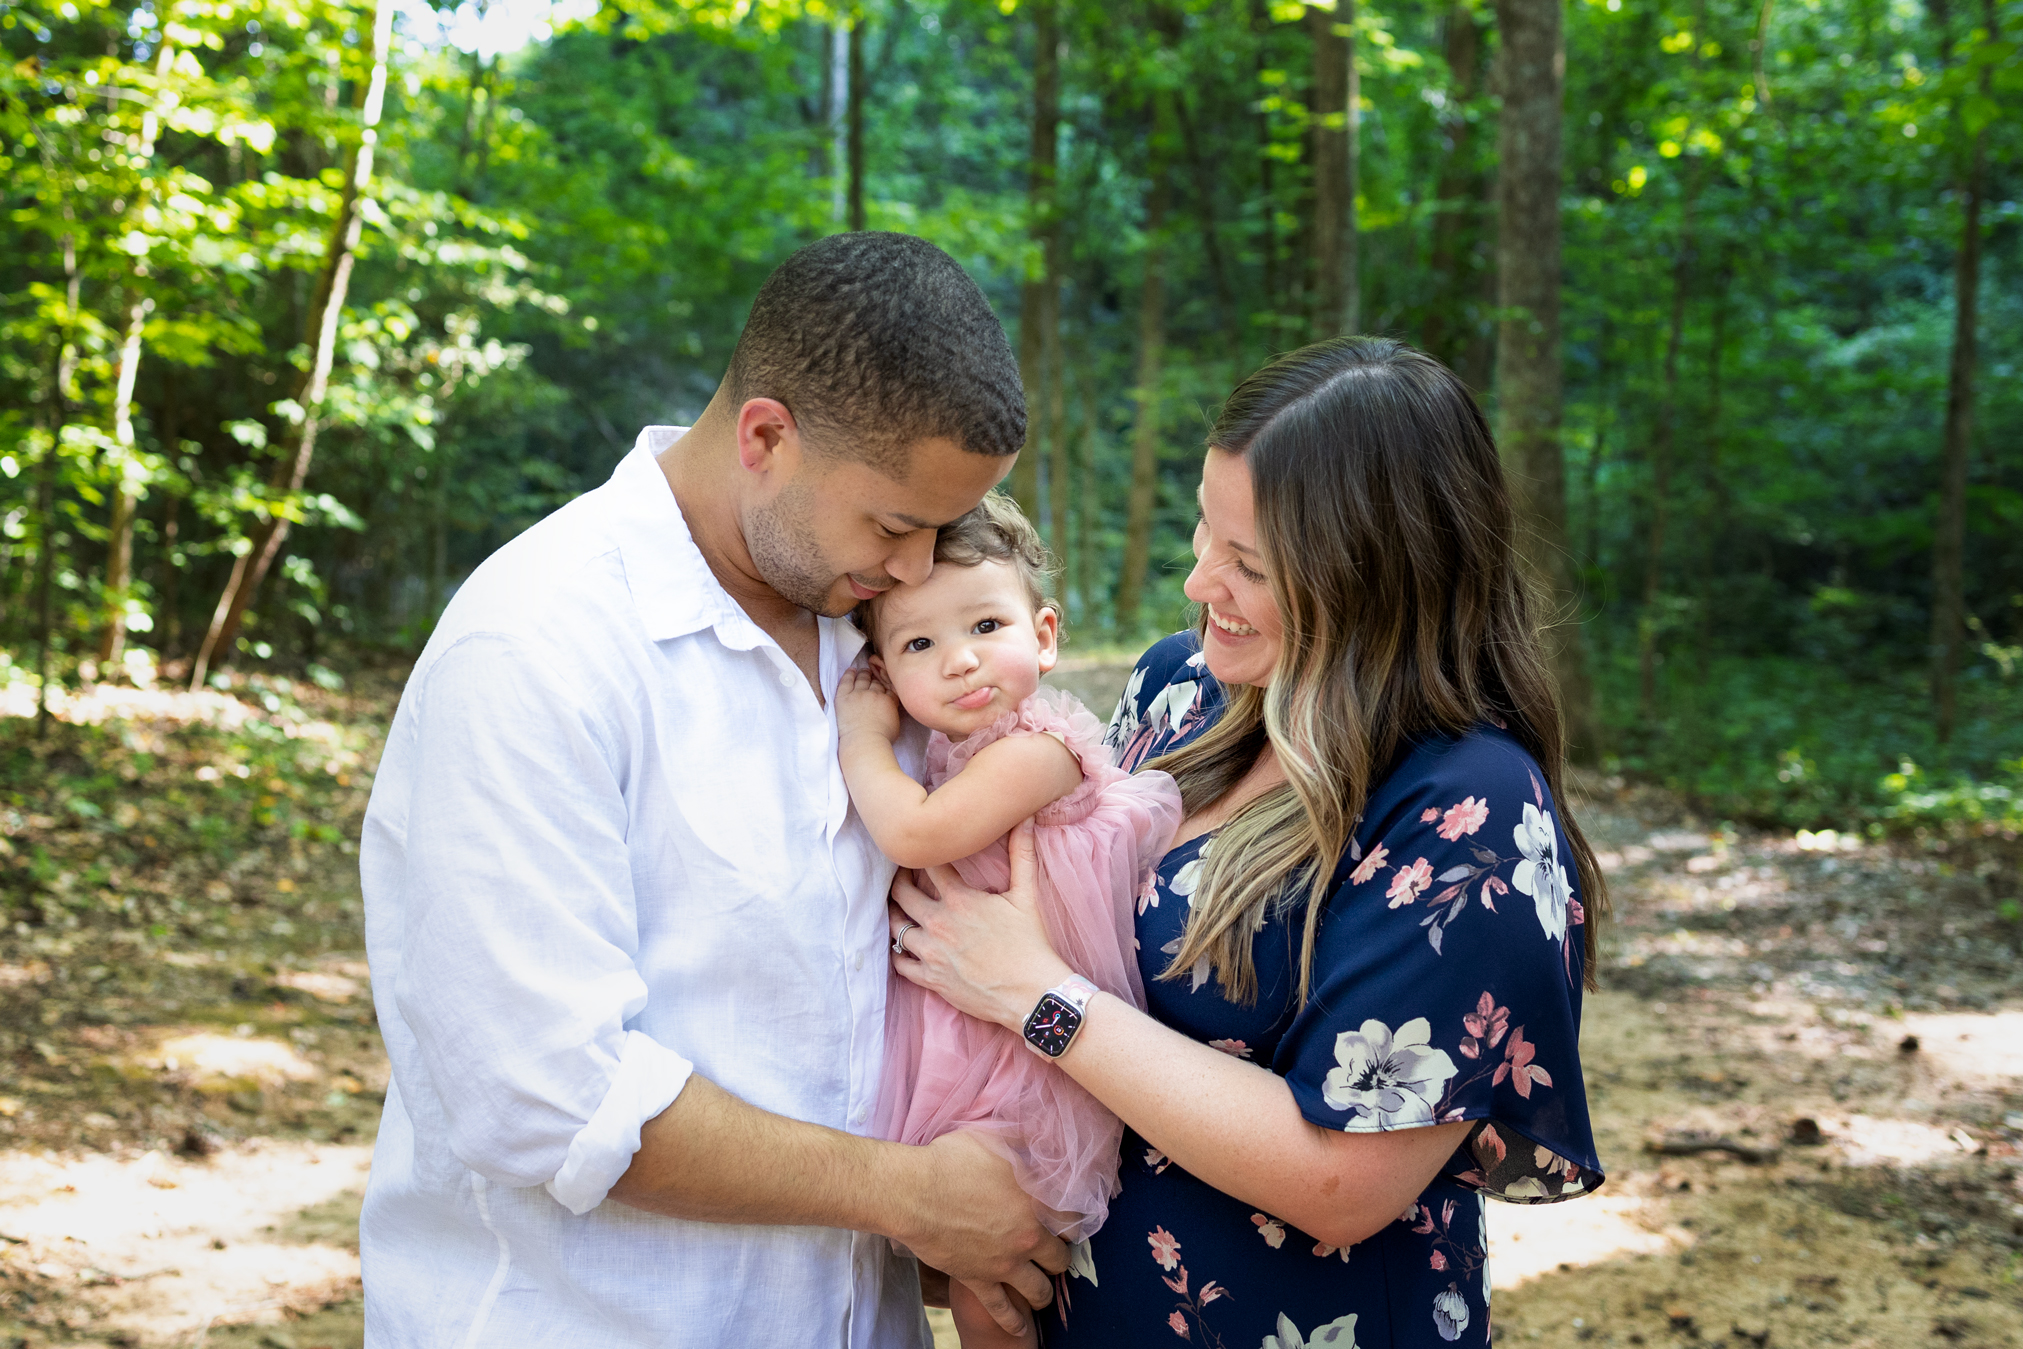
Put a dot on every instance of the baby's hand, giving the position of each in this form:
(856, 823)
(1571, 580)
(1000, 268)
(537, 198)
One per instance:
(864, 706)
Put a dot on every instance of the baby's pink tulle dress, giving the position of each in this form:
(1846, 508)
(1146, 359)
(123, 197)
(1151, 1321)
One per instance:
(946, 1071)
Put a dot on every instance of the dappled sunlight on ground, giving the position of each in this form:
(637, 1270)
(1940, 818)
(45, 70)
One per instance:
(153, 1249)
(1527, 1240)
(1805, 1071)
(219, 1060)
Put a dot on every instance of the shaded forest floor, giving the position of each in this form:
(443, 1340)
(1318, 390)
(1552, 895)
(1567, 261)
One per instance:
(190, 1076)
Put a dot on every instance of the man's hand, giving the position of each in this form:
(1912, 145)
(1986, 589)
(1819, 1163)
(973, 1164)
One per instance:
(974, 1222)
(864, 706)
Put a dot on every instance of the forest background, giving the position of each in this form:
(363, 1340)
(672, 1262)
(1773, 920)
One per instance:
(306, 306)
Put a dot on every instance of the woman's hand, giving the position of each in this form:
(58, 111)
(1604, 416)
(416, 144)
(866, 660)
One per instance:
(986, 954)
(864, 706)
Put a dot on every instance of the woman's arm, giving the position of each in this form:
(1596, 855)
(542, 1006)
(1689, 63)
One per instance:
(1006, 782)
(1233, 1124)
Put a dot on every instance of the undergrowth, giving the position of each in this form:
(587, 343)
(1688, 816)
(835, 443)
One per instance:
(1785, 743)
(173, 823)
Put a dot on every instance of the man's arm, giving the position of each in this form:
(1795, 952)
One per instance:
(713, 1158)
(516, 974)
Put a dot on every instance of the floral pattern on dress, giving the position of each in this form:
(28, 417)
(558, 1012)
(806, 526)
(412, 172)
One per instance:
(1174, 711)
(1467, 1013)
(1387, 1080)
(1536, 870)
(1339, 1333)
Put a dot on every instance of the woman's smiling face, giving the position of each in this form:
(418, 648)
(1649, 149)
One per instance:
(1244, 631)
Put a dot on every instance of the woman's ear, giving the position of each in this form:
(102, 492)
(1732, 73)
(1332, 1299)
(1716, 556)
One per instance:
(1047, 627)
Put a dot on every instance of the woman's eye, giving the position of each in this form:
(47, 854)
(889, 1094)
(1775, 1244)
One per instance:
(988, 625)
(1254, 577)
(918, 644)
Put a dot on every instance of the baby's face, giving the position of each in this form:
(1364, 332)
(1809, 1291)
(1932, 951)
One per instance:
(964, 647)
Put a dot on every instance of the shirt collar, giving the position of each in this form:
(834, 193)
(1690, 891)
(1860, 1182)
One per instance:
(672, 587)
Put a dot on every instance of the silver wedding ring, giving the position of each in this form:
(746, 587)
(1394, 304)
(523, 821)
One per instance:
(899, 941)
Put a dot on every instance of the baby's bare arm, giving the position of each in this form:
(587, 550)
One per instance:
(1005, 783)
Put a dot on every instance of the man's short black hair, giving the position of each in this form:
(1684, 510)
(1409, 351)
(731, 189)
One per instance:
(876, 341)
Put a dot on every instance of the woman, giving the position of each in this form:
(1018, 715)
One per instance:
(1365, 952)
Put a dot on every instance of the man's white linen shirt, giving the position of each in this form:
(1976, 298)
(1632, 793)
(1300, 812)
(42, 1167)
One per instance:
(609, 845)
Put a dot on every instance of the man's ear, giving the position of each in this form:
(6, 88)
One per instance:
(769, 439)
(1047, 627)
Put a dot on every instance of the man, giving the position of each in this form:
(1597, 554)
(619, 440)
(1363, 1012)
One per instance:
(628, 939)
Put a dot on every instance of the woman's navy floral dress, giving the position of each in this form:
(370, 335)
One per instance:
(1447, 986)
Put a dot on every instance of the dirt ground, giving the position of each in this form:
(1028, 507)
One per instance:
(186, 1120)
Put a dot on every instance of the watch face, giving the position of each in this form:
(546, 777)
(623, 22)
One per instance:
(1052, 1025)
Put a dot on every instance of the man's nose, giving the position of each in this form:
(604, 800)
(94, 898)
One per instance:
(912, 560)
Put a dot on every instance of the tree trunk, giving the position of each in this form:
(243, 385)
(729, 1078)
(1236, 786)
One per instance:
(171, 573)
(1449, 324)
(63, 371)
(1605, 421)
(1756, 53)
(1260, 23)
(1663, 438)
(1206, 190)
(1335, 119)
(1145, 434)
(1039, 303)
(1949, 543)
(340, 252)
(125, 490)
(1715, 470)
(1090, 502)
(127, 468)
(1058, 470)
(856, 128)
(1531, 78)
(839, 121)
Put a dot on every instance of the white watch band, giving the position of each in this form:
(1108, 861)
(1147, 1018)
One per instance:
(1075, 991)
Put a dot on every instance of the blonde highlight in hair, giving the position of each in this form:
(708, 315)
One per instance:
(1388, 536)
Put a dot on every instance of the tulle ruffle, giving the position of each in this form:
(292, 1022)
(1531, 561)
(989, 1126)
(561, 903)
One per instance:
(947, 1071)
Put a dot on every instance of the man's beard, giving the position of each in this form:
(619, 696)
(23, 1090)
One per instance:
(779, 538)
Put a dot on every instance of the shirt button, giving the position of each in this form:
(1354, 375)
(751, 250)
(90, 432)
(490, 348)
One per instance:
(858, 1118)
(857, 961)
(786, 679)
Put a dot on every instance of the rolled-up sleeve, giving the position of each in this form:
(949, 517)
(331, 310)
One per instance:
(519, 940)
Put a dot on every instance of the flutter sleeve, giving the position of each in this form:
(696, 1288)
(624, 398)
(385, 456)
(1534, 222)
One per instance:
(1447, 974)
(1170, 698)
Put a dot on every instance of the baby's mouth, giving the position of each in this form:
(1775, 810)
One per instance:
(975, 698)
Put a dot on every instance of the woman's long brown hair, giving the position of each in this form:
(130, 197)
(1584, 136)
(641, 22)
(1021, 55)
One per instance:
(1387, 531)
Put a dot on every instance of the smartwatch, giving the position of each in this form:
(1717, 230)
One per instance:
(1051, 1027)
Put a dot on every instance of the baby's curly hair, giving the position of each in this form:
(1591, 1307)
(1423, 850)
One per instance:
(996, 531)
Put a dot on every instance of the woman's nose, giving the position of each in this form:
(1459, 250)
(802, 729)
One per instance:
(1201, 586)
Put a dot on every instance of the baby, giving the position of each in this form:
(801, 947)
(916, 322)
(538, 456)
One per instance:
(963, 653)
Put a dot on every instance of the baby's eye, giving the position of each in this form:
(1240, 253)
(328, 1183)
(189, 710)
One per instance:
(919, 644)
(986, 626)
